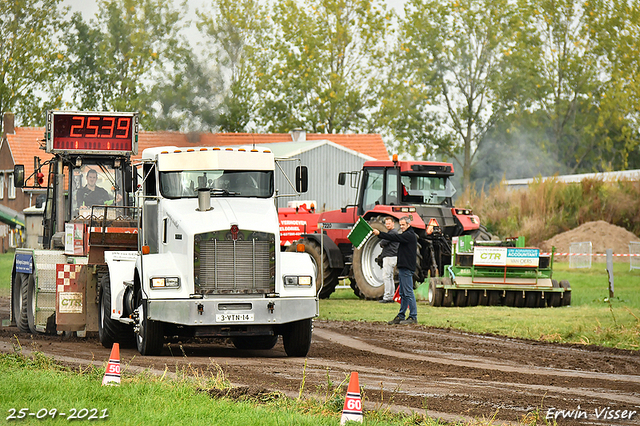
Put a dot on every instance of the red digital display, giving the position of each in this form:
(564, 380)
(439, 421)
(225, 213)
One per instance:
(92, 132)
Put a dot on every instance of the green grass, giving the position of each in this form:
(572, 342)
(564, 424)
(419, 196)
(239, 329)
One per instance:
(37, 383)
(6, 262)
(591, 318)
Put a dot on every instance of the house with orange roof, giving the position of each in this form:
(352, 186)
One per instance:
(325, 155)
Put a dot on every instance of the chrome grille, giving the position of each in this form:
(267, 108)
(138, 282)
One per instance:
(226, 266)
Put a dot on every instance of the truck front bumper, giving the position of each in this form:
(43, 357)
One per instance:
(224, 312)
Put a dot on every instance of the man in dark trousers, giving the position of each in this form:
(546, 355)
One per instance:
(389, 257)
(406, 266)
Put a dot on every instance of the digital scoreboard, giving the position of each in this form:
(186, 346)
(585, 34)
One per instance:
(92, 132)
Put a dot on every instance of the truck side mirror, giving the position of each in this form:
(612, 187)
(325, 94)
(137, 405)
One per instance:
(302, 179)
(342, 178)
(18, 175)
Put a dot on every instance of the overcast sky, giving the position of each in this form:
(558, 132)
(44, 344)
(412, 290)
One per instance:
(90, 7)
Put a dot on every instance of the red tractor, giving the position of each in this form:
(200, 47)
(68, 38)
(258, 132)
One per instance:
(420, 189)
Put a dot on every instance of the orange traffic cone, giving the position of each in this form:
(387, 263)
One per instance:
(112, 373)
(352, 410)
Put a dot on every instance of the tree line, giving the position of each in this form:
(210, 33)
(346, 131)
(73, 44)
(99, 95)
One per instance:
(503, 88)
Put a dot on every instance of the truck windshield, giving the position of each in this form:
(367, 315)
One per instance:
(238, 183)
(426, 189)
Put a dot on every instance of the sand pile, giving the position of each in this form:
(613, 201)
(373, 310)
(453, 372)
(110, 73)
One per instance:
(602, 235)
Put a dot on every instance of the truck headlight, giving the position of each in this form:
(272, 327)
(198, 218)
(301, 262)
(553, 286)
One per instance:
(163, 282)
(295, 280)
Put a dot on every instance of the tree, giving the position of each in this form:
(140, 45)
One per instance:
(237, 30)
(325, 65)
(451, 71)
(31, 80)
(114, 59)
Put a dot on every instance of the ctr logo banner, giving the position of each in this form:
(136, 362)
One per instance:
(505, 256)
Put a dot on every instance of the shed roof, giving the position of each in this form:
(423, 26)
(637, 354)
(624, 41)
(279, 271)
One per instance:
(26, 141)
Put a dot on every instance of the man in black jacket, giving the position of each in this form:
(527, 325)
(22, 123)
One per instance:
(406, 266)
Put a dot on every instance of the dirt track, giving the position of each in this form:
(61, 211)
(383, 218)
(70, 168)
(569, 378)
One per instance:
(453, 375)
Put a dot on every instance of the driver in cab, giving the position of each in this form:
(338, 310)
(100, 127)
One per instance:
(93, 195)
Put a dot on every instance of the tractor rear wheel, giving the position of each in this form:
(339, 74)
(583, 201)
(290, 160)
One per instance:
(366, 271)
(481, 234)
(312, 248)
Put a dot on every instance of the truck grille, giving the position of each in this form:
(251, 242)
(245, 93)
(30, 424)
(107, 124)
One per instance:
(245, 265)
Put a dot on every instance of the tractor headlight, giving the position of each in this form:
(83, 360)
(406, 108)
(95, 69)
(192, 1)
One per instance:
(295, 280)
(165, 282)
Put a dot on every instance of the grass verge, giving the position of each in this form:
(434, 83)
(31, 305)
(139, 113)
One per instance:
(39, 385)
(592, 319)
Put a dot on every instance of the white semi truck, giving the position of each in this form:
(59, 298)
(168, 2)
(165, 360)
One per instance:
(195, 255)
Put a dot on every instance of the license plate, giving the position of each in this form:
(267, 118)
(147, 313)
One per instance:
(234, 318)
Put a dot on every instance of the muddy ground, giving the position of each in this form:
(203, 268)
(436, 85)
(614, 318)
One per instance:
(443, 373)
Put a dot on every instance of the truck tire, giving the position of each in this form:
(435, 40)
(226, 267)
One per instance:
(566, 296)
(111, 331)
(297, 338)
(366, 272)
(255, 342)
(19, 301)
(31, 304)
(149, 337)
(435, 294)
(312, 248)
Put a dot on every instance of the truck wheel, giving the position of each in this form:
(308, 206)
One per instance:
(297, 337)
(366, 272)
(435, 294)
(149, 337)
(31, 303)
(19, 301)
(566, 296)
(255, 342)
(111, 331)
(554, 298)
(312, 248)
